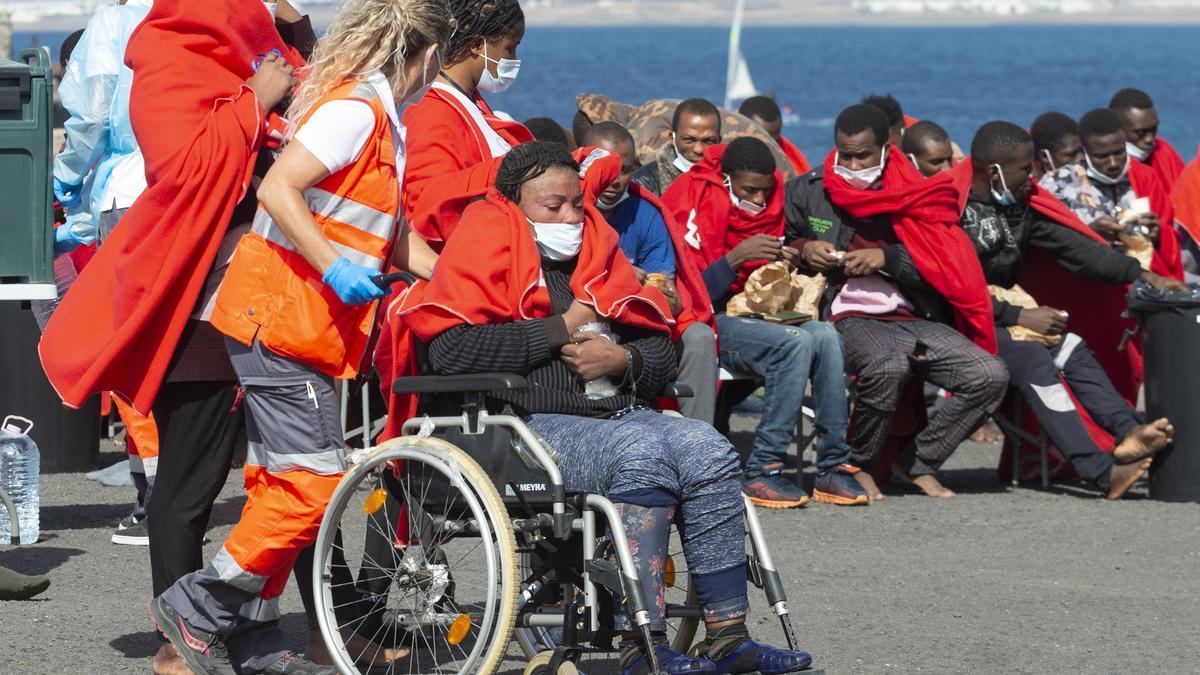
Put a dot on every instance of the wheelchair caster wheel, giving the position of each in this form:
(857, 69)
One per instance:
(540, 665)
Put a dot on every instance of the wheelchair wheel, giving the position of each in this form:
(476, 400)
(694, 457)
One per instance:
(682, 616)
(416, 556)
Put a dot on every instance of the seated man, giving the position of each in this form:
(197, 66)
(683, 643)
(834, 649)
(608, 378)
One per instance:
(695, 126)
(1055, 143)
(928, 146)
(546, 129)
(1140, 123)
(1003, 221)
(486, 311)
(646, 240)
(899, 270)
(733, 205)
(766, 114)
(1105, 185)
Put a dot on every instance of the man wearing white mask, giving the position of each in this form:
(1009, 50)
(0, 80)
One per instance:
(1142, 142)
(695, 126)
(1105, 190)
(891, 295)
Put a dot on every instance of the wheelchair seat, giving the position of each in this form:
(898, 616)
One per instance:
(459, 384)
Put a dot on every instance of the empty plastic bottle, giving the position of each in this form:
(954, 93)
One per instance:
(20, 462)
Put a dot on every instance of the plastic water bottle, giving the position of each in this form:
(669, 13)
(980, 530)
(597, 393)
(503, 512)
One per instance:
(20, 462)
(603, 387)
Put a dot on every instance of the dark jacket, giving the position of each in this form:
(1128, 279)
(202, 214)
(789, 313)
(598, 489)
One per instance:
(810, 215)
(658, 175)
(1001, 235)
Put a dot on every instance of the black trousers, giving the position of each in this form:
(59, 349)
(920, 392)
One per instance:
(197, 430)
(1034, 369)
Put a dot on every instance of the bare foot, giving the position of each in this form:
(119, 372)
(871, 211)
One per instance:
(168, 662)
(1123, 476)
(988, 433)
(365, 652)
(867, 482)
(1144, 441)
(926, 483)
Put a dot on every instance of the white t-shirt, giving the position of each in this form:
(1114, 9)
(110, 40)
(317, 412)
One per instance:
(337, 132)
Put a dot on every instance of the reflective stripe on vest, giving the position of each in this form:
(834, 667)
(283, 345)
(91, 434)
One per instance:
(347, 213)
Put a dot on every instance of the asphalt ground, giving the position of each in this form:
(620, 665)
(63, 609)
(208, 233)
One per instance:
(997, 580)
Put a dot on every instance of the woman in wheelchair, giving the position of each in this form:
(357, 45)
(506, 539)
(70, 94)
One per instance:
(533, 282)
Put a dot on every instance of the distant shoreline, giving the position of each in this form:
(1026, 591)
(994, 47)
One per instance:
(625, 15)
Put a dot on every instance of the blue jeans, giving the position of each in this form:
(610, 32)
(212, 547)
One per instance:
(785, 357)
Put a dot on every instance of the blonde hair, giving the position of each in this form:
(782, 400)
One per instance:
(369, 36)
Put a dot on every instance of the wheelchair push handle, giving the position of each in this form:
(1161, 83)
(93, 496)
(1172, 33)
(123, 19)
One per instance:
(386, 281)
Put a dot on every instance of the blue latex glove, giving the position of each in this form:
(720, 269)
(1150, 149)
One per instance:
(65, 241)
(354, 284)
(68, 196)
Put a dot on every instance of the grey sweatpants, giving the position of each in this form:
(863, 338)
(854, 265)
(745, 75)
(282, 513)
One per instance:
(698, 369)
(648, 459)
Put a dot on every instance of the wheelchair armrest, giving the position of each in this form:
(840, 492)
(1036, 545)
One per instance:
(678, 390)
(458, 384)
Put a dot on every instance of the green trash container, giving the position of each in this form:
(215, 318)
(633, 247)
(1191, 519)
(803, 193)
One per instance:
(26, 200)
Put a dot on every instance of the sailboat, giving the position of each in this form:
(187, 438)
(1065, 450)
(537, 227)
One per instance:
(738, 84)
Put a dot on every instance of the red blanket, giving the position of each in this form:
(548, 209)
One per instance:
(700, 198)
(1145, 183)
(599, 169)
(1185, 197)
(199, 128)
(925, 214)
(1166, 162)
(797, 159)
(448, 157)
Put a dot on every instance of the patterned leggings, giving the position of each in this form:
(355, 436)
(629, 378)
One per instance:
(649, 464)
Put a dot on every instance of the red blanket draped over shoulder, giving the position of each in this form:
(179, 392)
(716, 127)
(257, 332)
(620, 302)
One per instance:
(925, 216)
(1145, 182)
(599, 168)
(1094, 307)
(199, 127)
(449, 157)
(700, 199)
(795, 156)
(1166, 162)
(1185, 197)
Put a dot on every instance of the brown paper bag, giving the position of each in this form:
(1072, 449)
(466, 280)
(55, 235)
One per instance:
(778, 288)
(1019, 297)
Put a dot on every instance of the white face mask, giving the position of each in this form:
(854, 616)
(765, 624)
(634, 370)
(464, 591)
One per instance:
(1101, 177)
(682, 163)
(750, 208)
(506, 73)
(1136, 152)
(1003, 196)
(863, 178)
(558, 241)
(271, 7)
(606, 205)
(1049, 159)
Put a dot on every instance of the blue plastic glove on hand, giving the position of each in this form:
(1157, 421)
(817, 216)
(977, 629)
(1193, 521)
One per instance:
(68, 196)
(64, 241)
(354, 284)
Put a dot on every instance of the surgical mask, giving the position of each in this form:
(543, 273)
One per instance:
(862, 178)
(606, 205)
(1100, 177)
(272, 7)
(750, 208)
(506, 73)
(558, 241)
(1136, 152)
(682, 163)
(1049, 159)
(913, 158)
(419, 94)
(1005, 196)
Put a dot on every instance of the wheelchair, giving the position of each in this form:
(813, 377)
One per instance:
(460, 538)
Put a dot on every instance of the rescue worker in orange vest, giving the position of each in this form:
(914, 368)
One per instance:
(297, 306)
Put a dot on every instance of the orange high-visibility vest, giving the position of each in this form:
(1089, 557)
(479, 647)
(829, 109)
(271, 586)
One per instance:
(271, 292)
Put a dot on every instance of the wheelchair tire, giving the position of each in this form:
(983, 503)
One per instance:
(482, 507)
(539, 665)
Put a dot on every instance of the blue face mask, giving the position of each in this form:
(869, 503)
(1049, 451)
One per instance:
(1005, 196)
